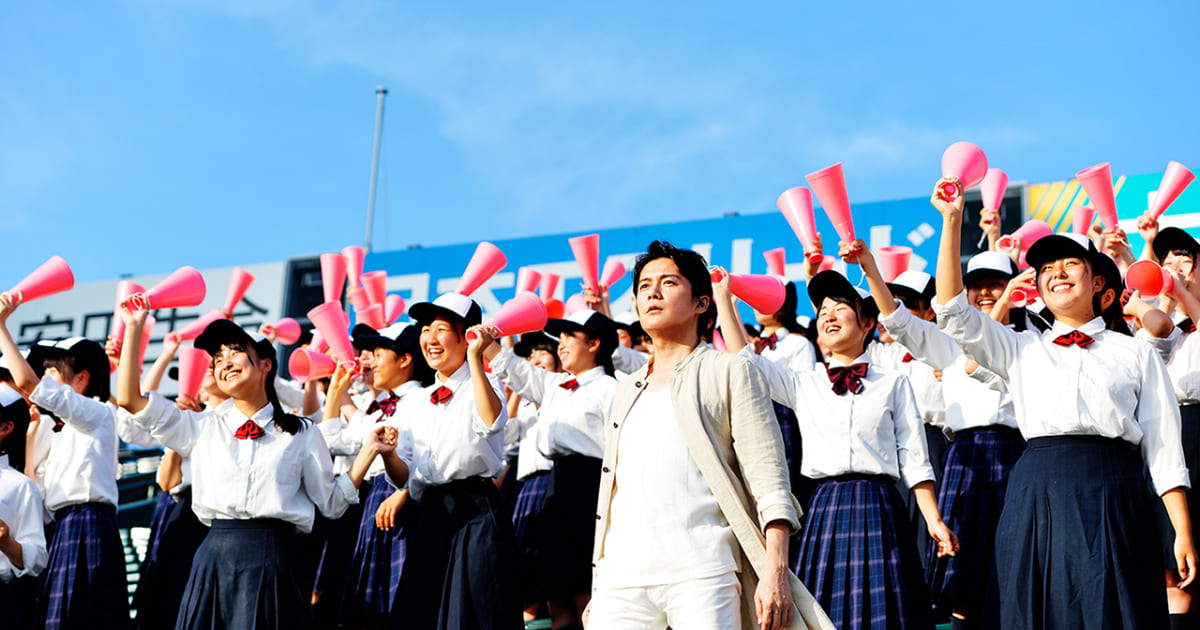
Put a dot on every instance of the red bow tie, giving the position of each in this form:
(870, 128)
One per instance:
(249, 431)
(388, 406)
(847, 379)
(763, 343)
(1074, 338)
(570, 385)
(1187, 326)
(441, 395)
(908, 358)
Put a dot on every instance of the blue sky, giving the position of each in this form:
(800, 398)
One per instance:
(145, 135)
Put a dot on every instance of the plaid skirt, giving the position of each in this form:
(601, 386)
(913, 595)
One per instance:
(970, 500)
(1076, 544)
(83, 585)
(858, 558)
(531, 532)
(377, 561)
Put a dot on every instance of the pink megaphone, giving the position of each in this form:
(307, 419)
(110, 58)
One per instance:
(333, 276)
(317, 343)
(964, 164)
(827, 263)
(330, 321)
(524, 313)
(1082, 218)
(393, 308)
(372, 316)
(354, 256)
(527, 280)
(488, 259)
(797, 207)
(1148, 278)
(587, 256)
(183, 288)
(307, 365)
(358, 298)
(1026, 236)
(1097, 183)
(992, 188)
(287, 331)
(1021, 297)
(193, 330)
(555, 308)
(893, 261)
(1175, 179)
(147, 331)
(776, 261)
(719, 341)
(548, 286)
(193, 364)
(613, 271)
(829, 185)
(764, 294)
(574, 304)
(125, 288)
(237, 289)
(375, 284)
(54, 276)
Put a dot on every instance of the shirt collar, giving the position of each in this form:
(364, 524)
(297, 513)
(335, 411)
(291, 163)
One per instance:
(1092, 328)
(407, 388)
(862, 358)
(260, 417)
(3, 461)
(461, 375)
(590, 375)
(780, 334)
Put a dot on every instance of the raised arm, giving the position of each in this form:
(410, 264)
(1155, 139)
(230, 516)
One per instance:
(731, 324)
(949, 268)
(129, 392)
(524, 378)
(488, 404)
(23, 375)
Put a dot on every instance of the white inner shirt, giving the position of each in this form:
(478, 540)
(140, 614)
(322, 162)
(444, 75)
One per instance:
(664, 523)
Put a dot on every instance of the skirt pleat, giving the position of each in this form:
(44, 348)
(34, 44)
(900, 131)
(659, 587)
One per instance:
(377, 561)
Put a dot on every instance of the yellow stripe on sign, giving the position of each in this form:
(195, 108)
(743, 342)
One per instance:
(1064, 203)
(1037, 192)
(1047, 202)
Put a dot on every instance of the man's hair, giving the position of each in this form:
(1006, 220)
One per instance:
(691, 266)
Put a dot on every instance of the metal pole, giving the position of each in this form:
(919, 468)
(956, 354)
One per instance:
(380, 91)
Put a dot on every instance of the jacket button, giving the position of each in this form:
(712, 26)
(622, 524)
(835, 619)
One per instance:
(614, 425)
(606, 469)
(597, 517)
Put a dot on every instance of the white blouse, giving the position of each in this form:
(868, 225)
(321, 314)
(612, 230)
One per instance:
(79, 463)
(346, 439)
(926, 386)
(791, 351)
(21, 510)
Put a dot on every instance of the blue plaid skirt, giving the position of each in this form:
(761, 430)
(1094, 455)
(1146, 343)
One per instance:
(1076, 544)
(83, 585)
(858, 558)
(377, 561)
(530, 528)
(970, 499)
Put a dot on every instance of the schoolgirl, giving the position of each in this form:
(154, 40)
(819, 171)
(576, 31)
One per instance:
(259, 474)
(1074, 546)
(22, 539)
(377, 555)
(570, 430)
(460, 566)
(781, 337)
(861, 432)
(84, 581)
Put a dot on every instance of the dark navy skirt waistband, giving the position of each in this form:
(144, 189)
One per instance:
(95, 506)
(252, 523)
(1076, 441)
(884, 479)
(470, 485)
(991, 428)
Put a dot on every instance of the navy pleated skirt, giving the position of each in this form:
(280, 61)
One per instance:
(16, 603)
(1077, 545)
(83, 585)
(244, 576)
(970, 500)
(377, 561)
(176, 537)
(858, 558)
(532, 531)
(1190, 434)
(460, 571)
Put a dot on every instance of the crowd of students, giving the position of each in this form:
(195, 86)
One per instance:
(922, 451)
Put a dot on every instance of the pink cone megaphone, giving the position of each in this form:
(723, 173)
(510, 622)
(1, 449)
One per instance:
(524, 313)
(333, 276)
(719, 341)
(776, 261)
(317, 343)
(1175, 179)
(1148, 278)
(797, 207)
(354, 256)
(548, 286)
(1020, 298)
(358, 298)
(183, 288)
(375, 284)
(613, 271)
(829, 185)
(992, 188)
(893, 261)
(147, 331)
(764, 294)
(555, 308)
(53, 276)
(330, 321)
(488, 259)
(527, 280)
(827, 263)
(193, 364)
(574, 304)
(393, 308)
(286, 331)
(307, 365)
(1026, 236)
(1098, 184)
(1082, 218)
(372, 316)
(964, 164)
(238, 285)
(193, 330)
(125, 288)
(587, 256)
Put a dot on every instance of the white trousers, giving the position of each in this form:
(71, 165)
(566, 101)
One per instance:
(712, 603)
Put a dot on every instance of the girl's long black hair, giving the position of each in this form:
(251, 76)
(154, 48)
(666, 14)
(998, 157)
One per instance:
(286, 422)
(14, 445)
